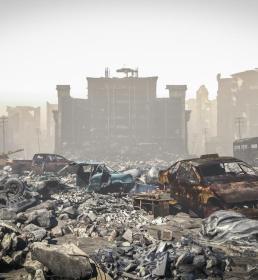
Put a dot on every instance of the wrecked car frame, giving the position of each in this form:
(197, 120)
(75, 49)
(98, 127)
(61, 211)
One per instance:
(209, 183)
(98, 177)
(14, 194)
(40, 163)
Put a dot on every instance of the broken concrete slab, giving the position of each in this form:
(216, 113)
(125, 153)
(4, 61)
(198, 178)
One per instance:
(35, 233)
(9, 226)
(128, 235)
(65, 260)
(42, 217)
(56, 231)
(7, 214)
(166, 234)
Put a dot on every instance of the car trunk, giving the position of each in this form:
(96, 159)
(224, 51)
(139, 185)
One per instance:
(236, 192)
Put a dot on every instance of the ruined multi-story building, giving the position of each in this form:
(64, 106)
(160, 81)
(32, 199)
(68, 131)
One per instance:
(169, 120)
(23, 130)
(237, 108)
(72, 121)
(121, 116)
(50, 125)
(202, 127)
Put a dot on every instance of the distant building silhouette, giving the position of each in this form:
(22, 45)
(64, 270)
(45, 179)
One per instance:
(24, 129)
(202, 128)
(122, 116)
(50, 125)
(237, 108)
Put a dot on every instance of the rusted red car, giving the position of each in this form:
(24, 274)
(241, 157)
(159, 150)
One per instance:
(40, 163)
(209, 183)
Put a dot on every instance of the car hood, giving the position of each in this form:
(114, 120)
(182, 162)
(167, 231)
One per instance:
(127, 178)
(236, 192)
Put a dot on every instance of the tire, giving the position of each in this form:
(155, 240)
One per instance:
(14, 187)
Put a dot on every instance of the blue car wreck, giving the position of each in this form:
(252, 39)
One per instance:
(98, 177)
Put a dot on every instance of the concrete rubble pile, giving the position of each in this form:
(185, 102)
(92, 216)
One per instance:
(97, 215)
(13, 244)
(65, 213)
(44, 239)
(143, 258)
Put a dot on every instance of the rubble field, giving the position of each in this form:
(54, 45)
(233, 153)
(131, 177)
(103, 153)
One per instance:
(50, 229)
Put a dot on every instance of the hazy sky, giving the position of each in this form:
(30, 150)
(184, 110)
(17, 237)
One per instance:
(49, 42)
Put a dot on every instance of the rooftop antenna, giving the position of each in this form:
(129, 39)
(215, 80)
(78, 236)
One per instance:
(126, 71)
(107, 72)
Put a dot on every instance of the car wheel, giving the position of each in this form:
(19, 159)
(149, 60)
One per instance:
(14, 187)
(3, 202)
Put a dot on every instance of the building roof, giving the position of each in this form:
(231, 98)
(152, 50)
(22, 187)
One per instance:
(245, 73)
(89, 162)
(176, 87)
(251, 140)
(211, 160)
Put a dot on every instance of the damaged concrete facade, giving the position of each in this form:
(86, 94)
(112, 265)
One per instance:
(50, 134)
(237, 108)
(202, 128)
(121, 115)
(23, 129)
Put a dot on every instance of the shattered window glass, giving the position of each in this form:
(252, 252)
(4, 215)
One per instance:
(59, 158)
(97, 169)
(174, 168)
(225, 168)
(232, 167)
(109, 169)
(248, 169)
(39, 159)
(50, 158)
(87, 168)
(182, 171)
(192, 176)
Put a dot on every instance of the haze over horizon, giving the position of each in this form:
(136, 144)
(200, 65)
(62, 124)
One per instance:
(44, 43)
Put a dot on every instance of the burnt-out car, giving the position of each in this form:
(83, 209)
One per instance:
(98, 177)
(210, 183)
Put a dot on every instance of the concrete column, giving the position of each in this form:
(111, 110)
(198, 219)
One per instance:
(179, 92)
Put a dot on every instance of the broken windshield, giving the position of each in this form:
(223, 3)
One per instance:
(226, 168)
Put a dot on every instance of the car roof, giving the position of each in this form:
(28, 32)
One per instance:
(210, 160)
(47, 154)
(252, 140)
(89, 162)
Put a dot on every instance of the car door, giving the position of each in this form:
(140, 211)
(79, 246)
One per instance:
(48, 165)
(60, 162)
(95, 180)
(105, 177)
(186, 180)
(37, 163)
(192, 189)
(180, 184)
(171, 179)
